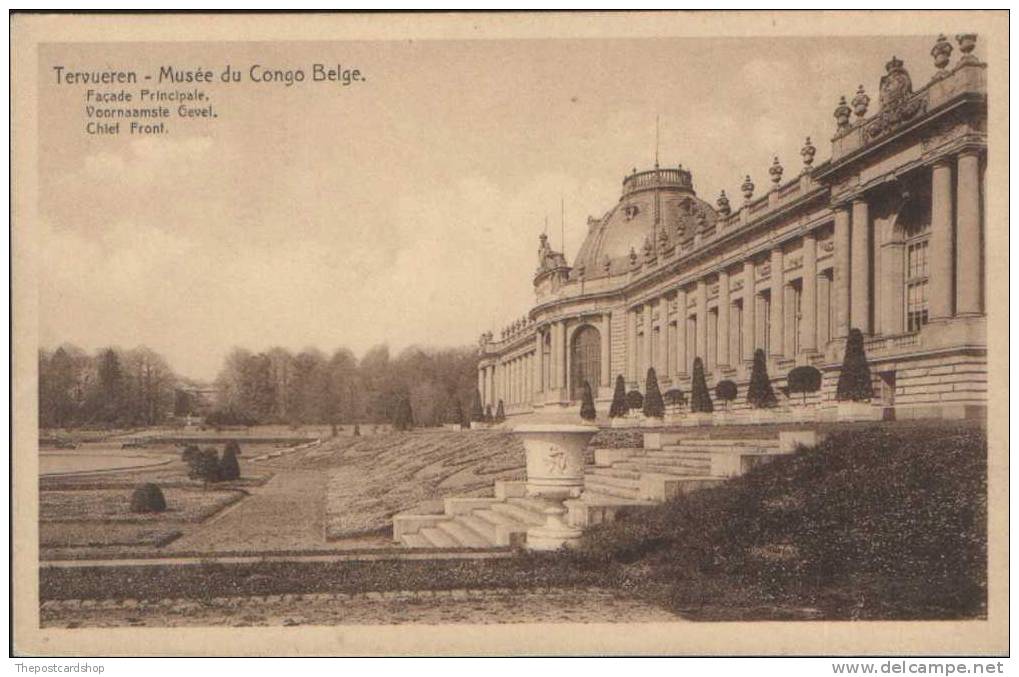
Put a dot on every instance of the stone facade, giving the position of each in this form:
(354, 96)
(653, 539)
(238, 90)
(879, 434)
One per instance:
(886, 236)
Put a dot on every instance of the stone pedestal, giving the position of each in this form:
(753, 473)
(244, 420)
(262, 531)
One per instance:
(555, 472)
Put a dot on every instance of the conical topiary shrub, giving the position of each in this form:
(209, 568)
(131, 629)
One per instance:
(488, 418)
(148, 498)
(454, 412)
(357, 430)
(229, 468)
(477, 411)
(759, 392)
(854, 380)
(619, 408)
(403, 415)
(726, 391)
(233, 446)
(654, 407)
(587, 410)
(700, 399)
(500, 412)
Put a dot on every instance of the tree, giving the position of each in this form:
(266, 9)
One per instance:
(454, 412)
(634, 400)
(403, 415)
(148, 497)
(477, 412)
(854, 379)
(700, 399)
(654, 407)
(619, 407)
(804, 379)
(500, 413)
(587, 410)
(726, 391)
(111, 388)
(229, 468)
(759, 392)
(204, 466)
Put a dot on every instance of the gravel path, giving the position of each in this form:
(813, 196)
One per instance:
(457, 606)
(287, 513)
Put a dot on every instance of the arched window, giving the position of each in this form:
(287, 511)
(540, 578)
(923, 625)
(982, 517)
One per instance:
(585, 360)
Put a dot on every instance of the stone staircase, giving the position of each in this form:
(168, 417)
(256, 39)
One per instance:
(619, 481)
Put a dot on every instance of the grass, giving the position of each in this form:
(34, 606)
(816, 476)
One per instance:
(372, 478)
(75, 535)
(879, 523)
(183, 505)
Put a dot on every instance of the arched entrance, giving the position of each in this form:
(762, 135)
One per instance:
(585, 361)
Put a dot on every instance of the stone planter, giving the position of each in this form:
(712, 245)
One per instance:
(621, 422)
(699, 418)
(555, 472)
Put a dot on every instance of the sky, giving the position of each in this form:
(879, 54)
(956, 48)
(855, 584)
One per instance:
(405, 209)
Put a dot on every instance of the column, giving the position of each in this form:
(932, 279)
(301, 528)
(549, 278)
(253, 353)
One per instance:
(777, 339)
(891, 281)
(606, 362)
(682, 361)
(808, 295)
(940, 256)
(702, 320)
(859, 277)
(724, 314)
(969, 247)
(567, 362)
(663, 369)
(649, 337)
(631, 345)
(841, 272)
(561, 364)
(749, 310)
(539, 356)
(481, 384)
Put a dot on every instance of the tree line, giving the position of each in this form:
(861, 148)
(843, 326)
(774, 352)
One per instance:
(420, 386)
(112, 387)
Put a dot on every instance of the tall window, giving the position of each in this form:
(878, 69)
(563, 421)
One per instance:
(797, 314)
(916, 283)
(736, 333)
(546, 361)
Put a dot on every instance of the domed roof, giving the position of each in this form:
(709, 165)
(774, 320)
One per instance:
(632, 223)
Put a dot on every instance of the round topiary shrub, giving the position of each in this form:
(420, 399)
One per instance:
(726, 391)
(619, 407)
(854, 379)
(634, 400)
(189, 454)
(654, 407)
(587, 410)
(700, 399)
(805, 379)
(674, 397)
(148, 498)
(229, 468)
(204, 466)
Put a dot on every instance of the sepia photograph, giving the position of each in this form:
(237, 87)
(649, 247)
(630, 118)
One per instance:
(470, 334)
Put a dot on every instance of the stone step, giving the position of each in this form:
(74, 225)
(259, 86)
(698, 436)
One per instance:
(633, 474)
(463, 535)
(702, 463)
(661, 456)
(611, 480)
(677, 470)
(709, 445)
(415, 541)
(593, 508)
(438, 538)
(483, 528)
(519, 513)
(535, 505)
(507, 530)
(594, 485)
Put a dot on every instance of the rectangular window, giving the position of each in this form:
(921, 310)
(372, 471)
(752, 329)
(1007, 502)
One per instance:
(916, 284)
(736, 333)
(764, 321)
(797, 315)
(711, 359)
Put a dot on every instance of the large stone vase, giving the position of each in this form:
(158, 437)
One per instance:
(555, 472)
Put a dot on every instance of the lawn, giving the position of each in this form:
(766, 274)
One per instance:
(60, 535)
(109, 505)
(884, 522)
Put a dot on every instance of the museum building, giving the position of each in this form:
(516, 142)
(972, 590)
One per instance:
(886, 236)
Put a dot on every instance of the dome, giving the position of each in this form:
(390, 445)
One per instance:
(631, 223)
